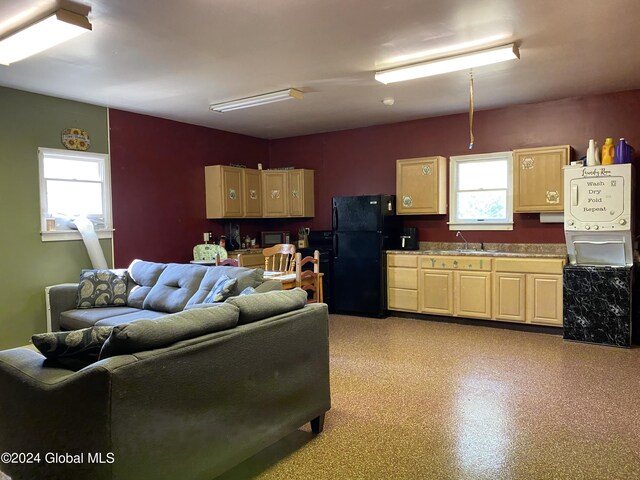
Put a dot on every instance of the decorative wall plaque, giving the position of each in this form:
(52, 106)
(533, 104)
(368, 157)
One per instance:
(75, 139)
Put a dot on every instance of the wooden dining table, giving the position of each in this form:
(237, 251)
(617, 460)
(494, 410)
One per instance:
(288, 281)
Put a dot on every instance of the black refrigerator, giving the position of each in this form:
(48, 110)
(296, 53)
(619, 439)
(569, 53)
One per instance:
(363, 228)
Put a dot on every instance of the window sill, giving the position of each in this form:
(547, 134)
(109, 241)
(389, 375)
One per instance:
(481, 226)
(66, 235)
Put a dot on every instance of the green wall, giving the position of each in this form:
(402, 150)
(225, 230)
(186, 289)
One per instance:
(27, 265)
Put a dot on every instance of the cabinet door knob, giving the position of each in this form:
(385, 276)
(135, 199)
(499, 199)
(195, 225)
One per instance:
(275, 193)
(232, 194)
(407, 201)
(527, 163)
(553, 196)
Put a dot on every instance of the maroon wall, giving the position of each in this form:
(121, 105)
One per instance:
(362, 161)
(157, 173)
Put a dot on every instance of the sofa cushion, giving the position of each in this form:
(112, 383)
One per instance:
(221, 290)
(130, 317)
(262, 305)
(75, 349)
(160, 332)
(102, 288)
(144, 275)
(87, 317)
(246, 278)
(175, 286)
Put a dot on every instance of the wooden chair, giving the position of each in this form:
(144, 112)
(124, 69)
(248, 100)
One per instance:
(310, 280)
(280, 258)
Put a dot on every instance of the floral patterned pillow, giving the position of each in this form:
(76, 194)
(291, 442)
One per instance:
(75, 349)
(102, 288)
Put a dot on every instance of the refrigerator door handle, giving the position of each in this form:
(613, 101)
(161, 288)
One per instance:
(335, 217)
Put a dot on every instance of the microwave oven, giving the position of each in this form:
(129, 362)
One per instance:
(269, 239)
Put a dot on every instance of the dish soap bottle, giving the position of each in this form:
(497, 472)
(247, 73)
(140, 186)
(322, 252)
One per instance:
(607, 151)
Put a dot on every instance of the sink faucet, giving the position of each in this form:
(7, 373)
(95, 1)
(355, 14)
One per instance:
(466, 244)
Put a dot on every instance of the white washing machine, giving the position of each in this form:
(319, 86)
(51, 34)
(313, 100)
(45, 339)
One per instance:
(598, 214)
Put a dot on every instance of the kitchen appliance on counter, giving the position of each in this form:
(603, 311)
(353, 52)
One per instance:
(363, 228)
(322, 240)
(232, 232)
(269, 239)
(599, 231)
(409, 239)
(598, 220)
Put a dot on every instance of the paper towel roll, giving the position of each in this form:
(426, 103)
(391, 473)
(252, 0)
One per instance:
(91, 242)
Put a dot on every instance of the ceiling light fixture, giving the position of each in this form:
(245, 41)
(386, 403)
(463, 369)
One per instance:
(48, 32)
(449, 64)
(257, 100)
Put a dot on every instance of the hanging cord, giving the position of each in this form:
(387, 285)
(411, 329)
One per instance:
(471, 139)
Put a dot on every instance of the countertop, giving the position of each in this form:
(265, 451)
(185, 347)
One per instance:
(482, 253)
(522, 250)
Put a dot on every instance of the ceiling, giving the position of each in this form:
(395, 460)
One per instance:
(171, 59)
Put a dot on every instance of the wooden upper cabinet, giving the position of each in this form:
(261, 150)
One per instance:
(301, 198)
(537, 178)
(223, 187)
(421, 186)
(288, 193)
(274, 191)
(252, 193)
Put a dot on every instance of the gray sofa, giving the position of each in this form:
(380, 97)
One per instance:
(153, 290)
(189, 410)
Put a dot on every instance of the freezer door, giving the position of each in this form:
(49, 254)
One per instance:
(358, 273)
(359, 214)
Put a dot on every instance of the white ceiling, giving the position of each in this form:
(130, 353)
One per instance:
(172, 58)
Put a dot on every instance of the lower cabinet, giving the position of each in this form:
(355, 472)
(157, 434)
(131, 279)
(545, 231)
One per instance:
(509, 296)
(436, 287)
(525, 290)
(402, 282)
(544, 299)
(473, 294)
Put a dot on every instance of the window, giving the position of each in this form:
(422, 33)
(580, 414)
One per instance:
(480, 192)
(73, 184)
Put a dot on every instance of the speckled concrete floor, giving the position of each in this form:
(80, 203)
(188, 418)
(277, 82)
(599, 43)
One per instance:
(415, 399)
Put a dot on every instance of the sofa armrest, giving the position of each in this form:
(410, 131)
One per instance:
(61, 298)
(268, 286)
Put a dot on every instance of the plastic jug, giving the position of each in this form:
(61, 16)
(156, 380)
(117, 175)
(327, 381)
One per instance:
(592, 154)
(623, 152)
(607, 151)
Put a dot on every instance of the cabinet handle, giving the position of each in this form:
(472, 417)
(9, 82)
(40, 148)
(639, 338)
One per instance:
(253, 195)
(275, 193)
(407, 201)
(426, 170)
(295, 193)
(527, 163)
(232, 194)
(553, 196)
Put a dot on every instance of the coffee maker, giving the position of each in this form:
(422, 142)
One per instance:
(409, 239)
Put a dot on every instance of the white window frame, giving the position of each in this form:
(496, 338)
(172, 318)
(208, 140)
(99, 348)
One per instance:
(105, 173)
(478, 224)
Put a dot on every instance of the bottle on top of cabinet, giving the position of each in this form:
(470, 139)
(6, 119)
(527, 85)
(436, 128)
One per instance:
(607, 151)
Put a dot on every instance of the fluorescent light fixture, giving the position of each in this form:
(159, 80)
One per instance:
(264, 99)
(449, 64)
(53, 30)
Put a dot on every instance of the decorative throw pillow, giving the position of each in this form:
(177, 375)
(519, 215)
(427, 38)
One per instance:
(102, 288)
(141, 335)
(221, 290)
(263, 305)
(74, 349)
